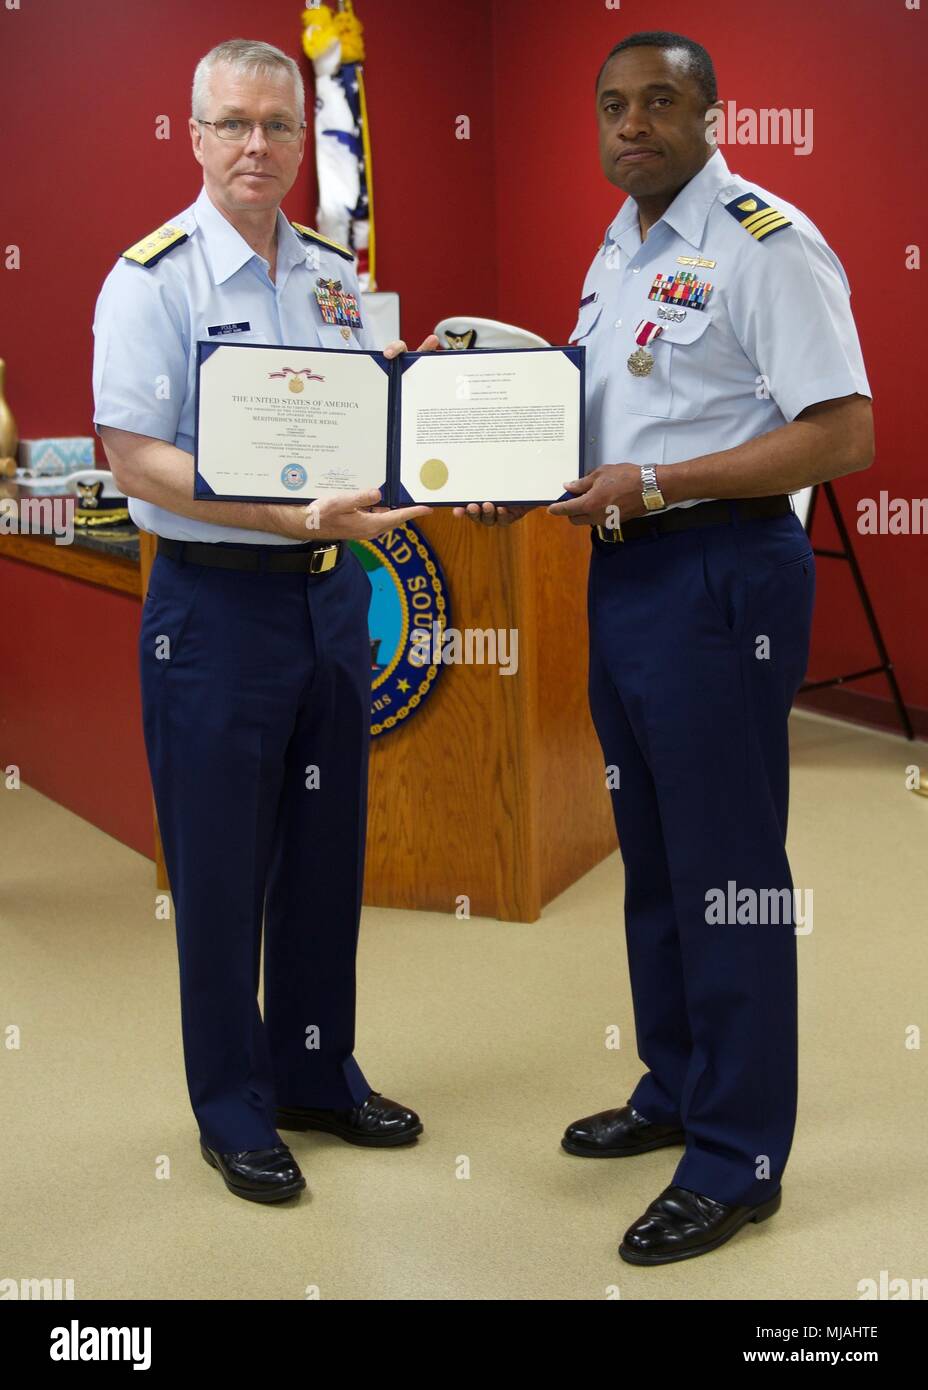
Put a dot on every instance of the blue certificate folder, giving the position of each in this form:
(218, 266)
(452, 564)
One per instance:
(393, 492)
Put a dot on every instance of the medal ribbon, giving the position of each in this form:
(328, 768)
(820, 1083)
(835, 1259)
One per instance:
(297, 371)
(646, 332)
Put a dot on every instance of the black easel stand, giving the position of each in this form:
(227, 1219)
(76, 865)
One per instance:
(886, 666)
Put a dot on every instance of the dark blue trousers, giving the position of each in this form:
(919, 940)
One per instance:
(250, 683)
(698, 642)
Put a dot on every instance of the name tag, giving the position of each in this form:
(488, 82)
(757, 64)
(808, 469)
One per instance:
(216, 330)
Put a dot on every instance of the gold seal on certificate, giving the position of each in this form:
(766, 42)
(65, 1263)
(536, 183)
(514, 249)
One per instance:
(434, 474)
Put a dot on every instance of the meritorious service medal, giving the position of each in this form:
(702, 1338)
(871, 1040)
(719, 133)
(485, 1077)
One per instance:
(641, 361)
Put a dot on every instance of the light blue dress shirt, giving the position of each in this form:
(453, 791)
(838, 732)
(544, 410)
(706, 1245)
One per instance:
(148, 322)
(776, 334)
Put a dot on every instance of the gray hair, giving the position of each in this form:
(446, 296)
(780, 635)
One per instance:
(246, 56)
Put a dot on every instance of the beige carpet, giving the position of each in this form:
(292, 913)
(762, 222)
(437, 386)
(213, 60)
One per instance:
(495, 1033)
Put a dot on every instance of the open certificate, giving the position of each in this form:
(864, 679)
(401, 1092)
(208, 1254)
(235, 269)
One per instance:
(489, 425)
(277, 424)
(291, 424)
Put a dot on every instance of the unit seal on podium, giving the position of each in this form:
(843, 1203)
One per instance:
(408, 594)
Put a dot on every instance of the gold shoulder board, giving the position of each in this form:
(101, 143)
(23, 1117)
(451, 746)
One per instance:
(756, 216)
(151, 248)
(308, 234)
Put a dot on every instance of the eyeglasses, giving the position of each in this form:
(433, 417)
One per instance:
(240, 128)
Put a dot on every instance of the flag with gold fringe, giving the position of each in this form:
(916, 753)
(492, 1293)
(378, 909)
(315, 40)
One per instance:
(333, 41)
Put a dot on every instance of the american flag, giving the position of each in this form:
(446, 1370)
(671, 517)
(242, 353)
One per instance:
(342, 138)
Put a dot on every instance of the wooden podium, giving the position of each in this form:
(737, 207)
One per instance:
(495, 790)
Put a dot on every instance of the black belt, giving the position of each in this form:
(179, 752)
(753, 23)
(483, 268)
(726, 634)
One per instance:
(702, 514)
(311, 559)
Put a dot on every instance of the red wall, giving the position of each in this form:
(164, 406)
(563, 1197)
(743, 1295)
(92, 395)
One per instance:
(503, 224)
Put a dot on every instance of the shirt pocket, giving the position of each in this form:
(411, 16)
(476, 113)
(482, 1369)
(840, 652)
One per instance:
(674, 389)
(336, 335)
(586, 322)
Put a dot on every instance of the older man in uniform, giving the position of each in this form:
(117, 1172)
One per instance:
(255, 657)
(723, 373)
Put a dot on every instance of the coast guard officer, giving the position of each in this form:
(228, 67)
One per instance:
(723, 372)
(254, 648)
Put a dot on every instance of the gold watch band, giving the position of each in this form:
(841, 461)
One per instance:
(651, 495)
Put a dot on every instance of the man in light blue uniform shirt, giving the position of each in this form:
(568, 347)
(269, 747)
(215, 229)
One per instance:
(154, 320)
(774, 335)
(723, 373)
(254, 648)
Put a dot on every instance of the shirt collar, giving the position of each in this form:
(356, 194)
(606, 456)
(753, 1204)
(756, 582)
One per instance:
(227, 250)
(689, 210)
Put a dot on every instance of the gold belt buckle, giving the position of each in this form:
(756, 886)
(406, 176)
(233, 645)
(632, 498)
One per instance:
(324, 558)
(612, 534)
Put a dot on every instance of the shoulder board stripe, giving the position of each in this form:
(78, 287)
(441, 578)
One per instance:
(759, 222)
(151, 248)
(756, 216)
(309, 234)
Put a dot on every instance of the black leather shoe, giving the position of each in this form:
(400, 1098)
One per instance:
(616, 1133)
(680, 1224)
(377, 1123)
(259, 1175)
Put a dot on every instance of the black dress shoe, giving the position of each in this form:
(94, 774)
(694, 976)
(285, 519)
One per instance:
(259, 1175)
(377, 1123)
(616, 1133)
(680, 1224)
